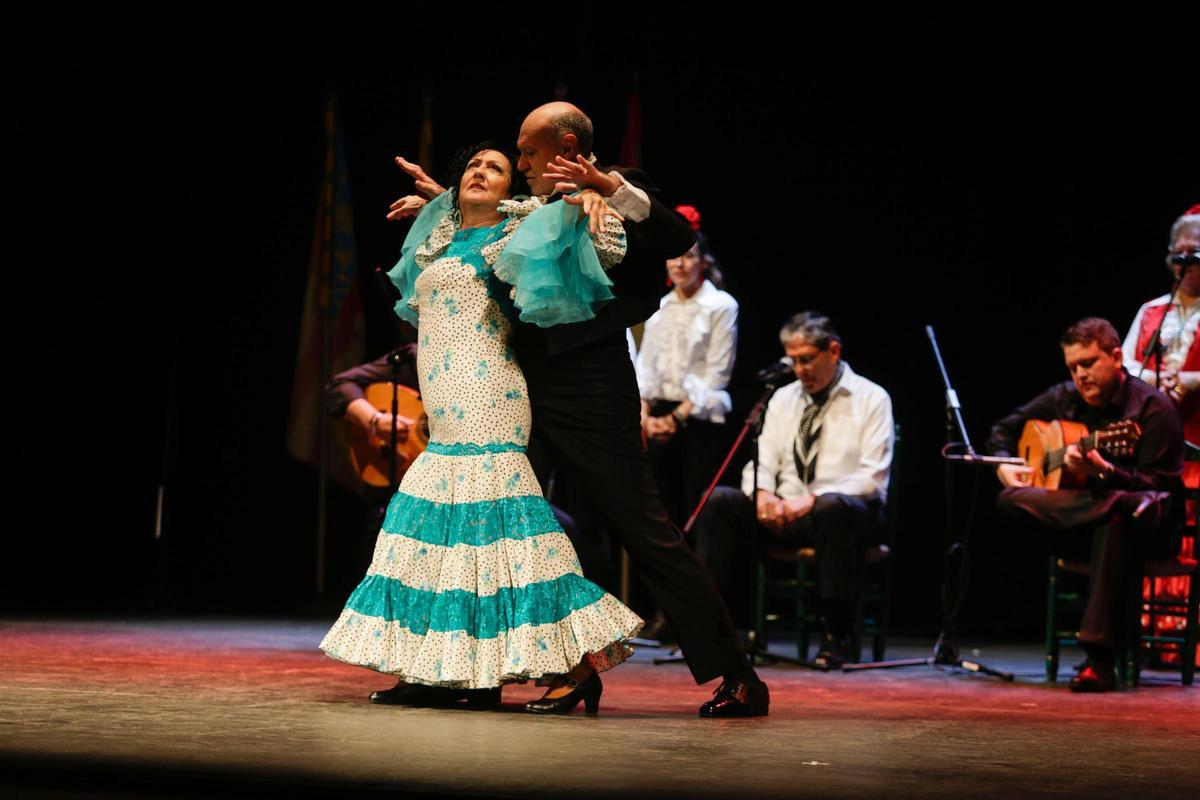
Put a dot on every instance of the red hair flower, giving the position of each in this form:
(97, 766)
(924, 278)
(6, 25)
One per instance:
(693, 216)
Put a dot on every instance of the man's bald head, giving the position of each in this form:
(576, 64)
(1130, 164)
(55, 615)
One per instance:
(553, 129)
(567, 121)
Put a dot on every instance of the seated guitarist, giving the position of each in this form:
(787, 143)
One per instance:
(1115, 488)
(345, 398)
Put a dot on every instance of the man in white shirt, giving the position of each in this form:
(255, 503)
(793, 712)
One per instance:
(824, 457)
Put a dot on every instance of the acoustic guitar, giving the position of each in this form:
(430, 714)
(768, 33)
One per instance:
(1044, 444)
(370, 453)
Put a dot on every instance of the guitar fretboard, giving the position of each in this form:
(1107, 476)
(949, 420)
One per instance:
(1054, 458)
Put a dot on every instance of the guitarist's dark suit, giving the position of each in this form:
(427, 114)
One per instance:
(1103, 508)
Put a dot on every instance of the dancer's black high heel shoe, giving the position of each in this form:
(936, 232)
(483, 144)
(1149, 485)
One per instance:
(588, 690)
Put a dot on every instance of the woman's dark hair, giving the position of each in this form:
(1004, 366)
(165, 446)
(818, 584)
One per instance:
(712, 269)
(458, 167)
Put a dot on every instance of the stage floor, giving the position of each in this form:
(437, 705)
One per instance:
(158, 708)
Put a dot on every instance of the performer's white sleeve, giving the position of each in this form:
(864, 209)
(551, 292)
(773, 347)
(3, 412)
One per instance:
(707, 389)
(1133, 362)
(628, 200)
(649, 381)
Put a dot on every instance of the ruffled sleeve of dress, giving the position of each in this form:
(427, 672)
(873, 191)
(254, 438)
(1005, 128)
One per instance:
(555, 266)
(430, 235)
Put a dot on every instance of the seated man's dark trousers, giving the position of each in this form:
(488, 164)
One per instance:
(839, 529)
(1119, 544)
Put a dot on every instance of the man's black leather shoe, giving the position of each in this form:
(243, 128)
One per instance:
(738, 699)
(1094, 676)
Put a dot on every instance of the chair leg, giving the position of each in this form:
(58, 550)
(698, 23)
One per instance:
(1130, 645)
(856, 627)
(883, 618)
(760, 606)
(1052, 647)
(802, 611)
(1153, 650)
(1188, 651)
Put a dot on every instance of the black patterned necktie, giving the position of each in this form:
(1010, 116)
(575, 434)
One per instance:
(808, 437)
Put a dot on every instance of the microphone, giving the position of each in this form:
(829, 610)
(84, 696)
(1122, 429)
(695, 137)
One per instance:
(404, 354)
(776, 372)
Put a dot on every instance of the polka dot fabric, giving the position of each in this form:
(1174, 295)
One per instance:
(473, 583)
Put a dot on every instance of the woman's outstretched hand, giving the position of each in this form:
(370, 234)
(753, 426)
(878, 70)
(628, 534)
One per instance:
(408, 206)
(594, 208)
(427, 188)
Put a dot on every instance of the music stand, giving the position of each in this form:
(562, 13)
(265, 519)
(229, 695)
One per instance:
(945, 649)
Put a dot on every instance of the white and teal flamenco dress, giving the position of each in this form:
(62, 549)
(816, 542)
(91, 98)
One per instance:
(473, 582)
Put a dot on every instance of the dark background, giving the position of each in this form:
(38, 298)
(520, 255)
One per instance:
(996, 177)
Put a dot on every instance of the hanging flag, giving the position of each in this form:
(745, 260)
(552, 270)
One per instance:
(332, 329)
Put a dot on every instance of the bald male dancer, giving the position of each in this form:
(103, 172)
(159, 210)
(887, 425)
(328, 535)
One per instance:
(586, 407)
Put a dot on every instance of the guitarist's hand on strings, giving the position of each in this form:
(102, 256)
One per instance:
(1090, 465)
(1011, 475)
(377, 423)
(383, 427)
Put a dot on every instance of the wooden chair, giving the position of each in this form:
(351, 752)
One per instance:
(872, 611)
(1144, 607)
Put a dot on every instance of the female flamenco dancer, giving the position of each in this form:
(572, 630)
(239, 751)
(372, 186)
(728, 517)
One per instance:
(473, 583)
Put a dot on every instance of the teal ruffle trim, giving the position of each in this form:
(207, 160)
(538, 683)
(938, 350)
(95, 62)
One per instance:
(482, 617)
(474, 524)
(404, 274)
(472, 449)
(552, 264)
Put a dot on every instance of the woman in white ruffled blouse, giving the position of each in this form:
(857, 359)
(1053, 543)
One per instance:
(683, 371)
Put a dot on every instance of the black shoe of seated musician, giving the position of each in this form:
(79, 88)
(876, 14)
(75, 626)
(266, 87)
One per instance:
(834, 651)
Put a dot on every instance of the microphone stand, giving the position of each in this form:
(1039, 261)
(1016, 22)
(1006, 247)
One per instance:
(945, 649)
(1154, 349)
(757, 651)
(397, 359)
(753, 426)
